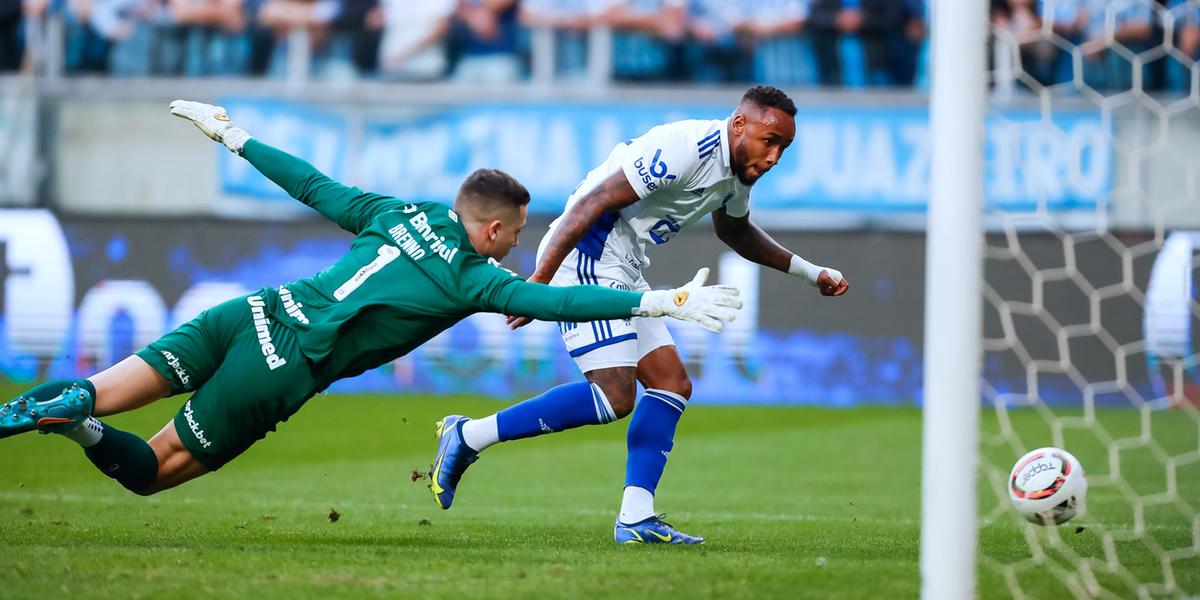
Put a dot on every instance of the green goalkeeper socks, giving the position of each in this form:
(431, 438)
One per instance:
(124, 457)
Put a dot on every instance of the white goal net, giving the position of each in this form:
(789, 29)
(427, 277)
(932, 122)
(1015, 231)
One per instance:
(1090, 298)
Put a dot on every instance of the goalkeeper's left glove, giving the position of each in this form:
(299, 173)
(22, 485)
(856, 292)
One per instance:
(709, 305)
(213, 121)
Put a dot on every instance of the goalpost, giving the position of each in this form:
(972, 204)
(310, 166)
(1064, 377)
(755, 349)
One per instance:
(1063, 300)
(953, 280)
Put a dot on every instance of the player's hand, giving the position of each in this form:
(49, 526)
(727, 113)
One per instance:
(712, 306)
(213, 121)
(832, 284)
(516, 323)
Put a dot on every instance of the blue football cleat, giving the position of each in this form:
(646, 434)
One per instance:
(652, 531)
(453, 458)
(56, 415)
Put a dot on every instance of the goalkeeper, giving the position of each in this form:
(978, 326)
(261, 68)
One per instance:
(413, 270)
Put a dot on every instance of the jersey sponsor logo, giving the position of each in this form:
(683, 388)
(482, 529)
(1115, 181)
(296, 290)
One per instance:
(190, 417)
(656, 170)
(437, 243)
(662, 231)
(259, 314)
(708, 146)
(180, 373)
(291, 307)
(453, 215)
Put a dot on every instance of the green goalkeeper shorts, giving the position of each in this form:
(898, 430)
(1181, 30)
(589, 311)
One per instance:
(246, 370)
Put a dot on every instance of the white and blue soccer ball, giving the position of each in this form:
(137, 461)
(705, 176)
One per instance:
(1048, 486)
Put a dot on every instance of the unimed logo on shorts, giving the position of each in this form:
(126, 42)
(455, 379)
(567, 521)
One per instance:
(194, 426)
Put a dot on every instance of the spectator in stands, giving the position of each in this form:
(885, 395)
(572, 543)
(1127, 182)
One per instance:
(828, 22)
(773, 28)
(891, 33)
(414, 39)
(570, 20)
(92, 26)
(1134, 26)
(356, 31)
(1021, 20)
(11, 47)
(213, 34)
(647, 39)
(334, 29)
(485, 42)
(715, 53)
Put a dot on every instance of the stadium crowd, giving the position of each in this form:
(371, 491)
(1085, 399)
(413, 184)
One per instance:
(857, 43)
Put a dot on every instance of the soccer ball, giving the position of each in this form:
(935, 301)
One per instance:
(1048, 486)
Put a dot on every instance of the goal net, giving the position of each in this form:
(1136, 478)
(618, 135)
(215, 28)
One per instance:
(1092, 219)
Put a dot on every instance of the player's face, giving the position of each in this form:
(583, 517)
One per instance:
(506, 233)
(760, 137)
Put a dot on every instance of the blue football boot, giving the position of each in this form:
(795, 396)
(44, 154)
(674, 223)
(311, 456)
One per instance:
(453, 458)
(652, 531)
(61, 413)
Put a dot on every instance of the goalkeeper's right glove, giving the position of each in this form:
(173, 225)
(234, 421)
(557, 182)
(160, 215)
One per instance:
(213, 121)
(711, 306)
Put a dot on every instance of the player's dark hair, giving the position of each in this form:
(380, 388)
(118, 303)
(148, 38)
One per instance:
(489, 189)
(766, 96)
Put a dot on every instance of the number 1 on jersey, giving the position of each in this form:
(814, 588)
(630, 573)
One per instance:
(387, 253)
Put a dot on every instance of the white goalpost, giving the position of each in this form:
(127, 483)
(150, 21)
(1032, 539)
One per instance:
(1061, 306)
(953, 312)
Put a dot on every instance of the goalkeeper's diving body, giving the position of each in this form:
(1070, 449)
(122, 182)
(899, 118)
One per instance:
(413, 270)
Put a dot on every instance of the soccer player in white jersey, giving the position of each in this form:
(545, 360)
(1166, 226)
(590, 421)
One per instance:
(643, 195)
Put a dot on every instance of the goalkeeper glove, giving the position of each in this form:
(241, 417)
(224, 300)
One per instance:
(213, 121)
(709, 305)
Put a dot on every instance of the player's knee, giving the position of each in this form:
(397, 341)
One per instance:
(679, 384)
(682, 386)
(621, 401)
(619, 386)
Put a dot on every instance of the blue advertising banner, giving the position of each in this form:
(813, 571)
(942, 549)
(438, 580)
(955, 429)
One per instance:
(863, 160)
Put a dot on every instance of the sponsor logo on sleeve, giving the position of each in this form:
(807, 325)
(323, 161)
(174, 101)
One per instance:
(654, 175)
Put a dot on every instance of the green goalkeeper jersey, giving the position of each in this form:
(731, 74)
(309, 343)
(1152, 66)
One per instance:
(411, 272)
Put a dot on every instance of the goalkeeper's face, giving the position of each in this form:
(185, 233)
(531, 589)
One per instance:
(497, 236)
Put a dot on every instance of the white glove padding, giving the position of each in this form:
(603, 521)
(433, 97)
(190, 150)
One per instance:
(213, 121)
(711, 306)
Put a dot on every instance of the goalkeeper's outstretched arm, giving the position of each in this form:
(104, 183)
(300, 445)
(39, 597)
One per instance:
(350, 207)
(711, 306)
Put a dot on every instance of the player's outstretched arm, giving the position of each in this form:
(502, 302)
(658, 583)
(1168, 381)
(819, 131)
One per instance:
(709, 305)
(351, 208)
(753, 244)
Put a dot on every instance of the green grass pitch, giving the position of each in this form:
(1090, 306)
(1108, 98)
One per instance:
(795, 502)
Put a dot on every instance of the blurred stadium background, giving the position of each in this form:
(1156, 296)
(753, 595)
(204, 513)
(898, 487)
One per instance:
(117, 223)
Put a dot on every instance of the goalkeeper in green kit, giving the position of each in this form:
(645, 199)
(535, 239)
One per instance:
(413, 270)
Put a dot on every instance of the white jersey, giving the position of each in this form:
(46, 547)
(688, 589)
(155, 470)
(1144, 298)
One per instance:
(680, 172)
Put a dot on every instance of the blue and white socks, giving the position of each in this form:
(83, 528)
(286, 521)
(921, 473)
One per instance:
(564, 407)
(650, 440)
